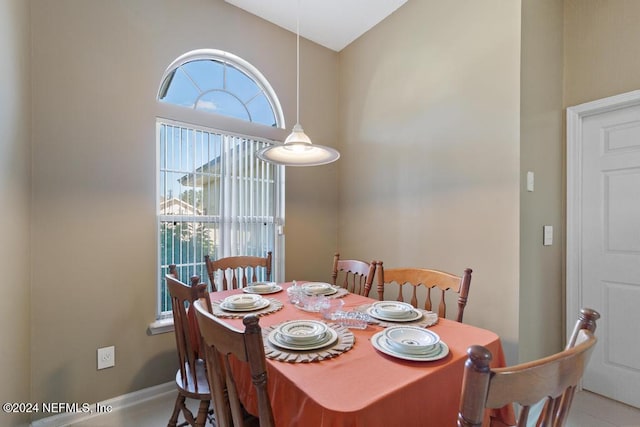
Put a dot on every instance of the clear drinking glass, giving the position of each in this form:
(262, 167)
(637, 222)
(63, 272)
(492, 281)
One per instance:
(329, 307)
(310, 302)
(294, 292)
(351, 319)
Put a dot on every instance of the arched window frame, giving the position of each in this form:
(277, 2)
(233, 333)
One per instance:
(234, 61)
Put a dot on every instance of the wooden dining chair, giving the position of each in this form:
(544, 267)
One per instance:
(354, 275)
(191, 378)
(236, 271)
(548, 383)
(222, 341)
(431, 280)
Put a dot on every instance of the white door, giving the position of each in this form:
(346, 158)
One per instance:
(603, 238)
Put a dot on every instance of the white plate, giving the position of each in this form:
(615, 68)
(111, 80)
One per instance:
(302, 331)
(265, 302)
(371, 311)
(243, 301)
(379, 342)
(251, 289)
(411, 339)
(321, 339)
(331, 337)
(318, 288)
(393, 309)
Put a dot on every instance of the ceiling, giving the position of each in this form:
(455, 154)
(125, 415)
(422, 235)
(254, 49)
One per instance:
(330, 23)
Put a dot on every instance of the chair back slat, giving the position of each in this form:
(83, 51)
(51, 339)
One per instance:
(236, 271)
(354, 275)
(182, 297)
(191, 380)
(429, 280)
(222, 341)
(551, 380)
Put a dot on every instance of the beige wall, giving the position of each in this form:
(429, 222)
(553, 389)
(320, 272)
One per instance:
(312, 193)
(430, 138)
(601, 49)
(541, 151)
(434, 136)
(15, 182)
(96, 70)
(596, 40)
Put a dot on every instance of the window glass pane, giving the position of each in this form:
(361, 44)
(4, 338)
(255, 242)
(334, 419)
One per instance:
(223, 103)
(181, 90)
(241, 85)
(261, 111)
(174, 195)
(216, 199)
(206, 74)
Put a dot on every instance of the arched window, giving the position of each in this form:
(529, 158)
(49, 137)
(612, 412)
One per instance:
(215, 197)
(221, 83)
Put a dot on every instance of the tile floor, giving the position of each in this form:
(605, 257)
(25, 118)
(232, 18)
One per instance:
(592, 410)
(589, 410)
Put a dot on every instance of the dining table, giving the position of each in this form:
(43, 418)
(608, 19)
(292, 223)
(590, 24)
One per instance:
(363, 386)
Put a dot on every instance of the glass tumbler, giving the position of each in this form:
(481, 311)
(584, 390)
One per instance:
(351, 319)
(329, 307)
(294, 292)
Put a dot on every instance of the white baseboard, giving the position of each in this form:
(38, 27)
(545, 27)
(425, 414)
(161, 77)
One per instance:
(116, 403)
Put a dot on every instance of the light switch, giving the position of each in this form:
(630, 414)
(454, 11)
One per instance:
(529, 181)
(548, 235)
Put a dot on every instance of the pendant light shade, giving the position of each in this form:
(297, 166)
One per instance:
(298, 150)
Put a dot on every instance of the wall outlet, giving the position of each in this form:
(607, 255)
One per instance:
(106, 357)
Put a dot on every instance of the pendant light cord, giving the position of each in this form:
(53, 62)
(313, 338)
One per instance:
(298, 65)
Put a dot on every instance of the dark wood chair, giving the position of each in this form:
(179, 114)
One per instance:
(429, 279)
(356, 276)
(236, 271)
(222, 341)
(191, 378)
(550, 381)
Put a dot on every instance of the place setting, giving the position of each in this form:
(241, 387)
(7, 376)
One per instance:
(302, 341)
(322, 289)
(410, 343)
(390, 313)
(262, 288)
(238, 305)
(318, 288)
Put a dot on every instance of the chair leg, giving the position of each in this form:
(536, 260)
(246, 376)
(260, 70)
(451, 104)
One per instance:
(203, 411)
(173, 421)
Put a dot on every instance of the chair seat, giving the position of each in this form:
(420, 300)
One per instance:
(199, 390)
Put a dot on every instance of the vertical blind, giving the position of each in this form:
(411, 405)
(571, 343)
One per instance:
(214, 198)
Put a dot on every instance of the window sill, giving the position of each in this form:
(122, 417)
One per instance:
(161, 326)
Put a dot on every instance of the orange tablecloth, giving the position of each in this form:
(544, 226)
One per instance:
(364, 387)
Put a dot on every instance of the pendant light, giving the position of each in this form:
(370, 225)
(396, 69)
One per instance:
(298, 150)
